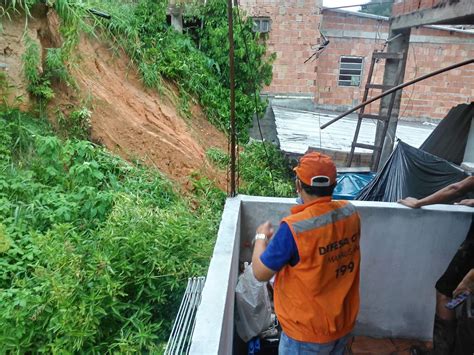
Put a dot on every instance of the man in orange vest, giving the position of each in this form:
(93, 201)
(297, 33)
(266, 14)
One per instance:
(316, 256)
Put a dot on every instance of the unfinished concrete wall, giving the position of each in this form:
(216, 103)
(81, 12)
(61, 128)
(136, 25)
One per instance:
(430, 49)
(401, 7)
(403, 251)
(294, 29)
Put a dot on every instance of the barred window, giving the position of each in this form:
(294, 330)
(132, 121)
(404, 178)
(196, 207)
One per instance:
(350, 71)
(261, 24)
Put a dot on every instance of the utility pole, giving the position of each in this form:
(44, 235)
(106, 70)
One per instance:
(233, 184)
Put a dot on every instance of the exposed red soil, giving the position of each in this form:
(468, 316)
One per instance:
(139, 123)
(128, 119)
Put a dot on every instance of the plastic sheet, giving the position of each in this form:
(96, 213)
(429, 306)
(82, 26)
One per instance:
(410, 172)
(349, 185)
(449, 139)
(252, 304)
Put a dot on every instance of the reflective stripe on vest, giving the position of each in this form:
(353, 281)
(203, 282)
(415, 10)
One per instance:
(324, 219)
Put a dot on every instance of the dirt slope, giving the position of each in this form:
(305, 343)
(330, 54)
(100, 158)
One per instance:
(135, 122)
(127, 118)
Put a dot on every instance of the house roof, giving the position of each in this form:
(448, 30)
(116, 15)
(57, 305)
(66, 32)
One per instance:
(384, 18)
(298, 130)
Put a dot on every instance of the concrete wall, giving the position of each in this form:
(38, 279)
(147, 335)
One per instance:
(214, 330)
(401, 7)
(404, 251)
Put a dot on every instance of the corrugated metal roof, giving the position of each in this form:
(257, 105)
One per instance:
(297, 130)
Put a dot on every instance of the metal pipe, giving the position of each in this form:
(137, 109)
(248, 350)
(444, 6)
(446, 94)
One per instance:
(393, 38)
(187, 318)
(180, 338)
(170, 346)
(232, 192)
(396, 88)
(200, 281)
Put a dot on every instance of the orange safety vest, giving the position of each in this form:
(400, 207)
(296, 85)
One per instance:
(317, 300)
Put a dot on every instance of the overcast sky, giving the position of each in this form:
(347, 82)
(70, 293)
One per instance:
(336, 3)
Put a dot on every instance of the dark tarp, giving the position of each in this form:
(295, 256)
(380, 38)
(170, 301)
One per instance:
(449, 138)
(410, 172)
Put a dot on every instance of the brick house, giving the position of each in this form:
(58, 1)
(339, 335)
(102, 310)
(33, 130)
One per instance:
(335, 80)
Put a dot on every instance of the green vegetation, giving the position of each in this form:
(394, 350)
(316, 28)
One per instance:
(40, 76)
(198, 63)
(264, 176)
(39, 83)
(260, 176)
(76, 125)
(161, 52)
(94, 251)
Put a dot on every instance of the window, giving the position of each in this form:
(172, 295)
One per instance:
(350, 71)
(261, 24)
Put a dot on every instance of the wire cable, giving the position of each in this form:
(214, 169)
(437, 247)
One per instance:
(269, 163)
(413, 87)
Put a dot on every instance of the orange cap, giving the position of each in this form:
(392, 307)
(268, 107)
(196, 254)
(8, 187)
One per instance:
(316, 169)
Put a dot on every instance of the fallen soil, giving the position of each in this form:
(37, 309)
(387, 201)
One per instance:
(139, 123)
(130, 120)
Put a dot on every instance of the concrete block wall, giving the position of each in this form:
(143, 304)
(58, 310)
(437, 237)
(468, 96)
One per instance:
(401, 7)
(430, 49)
(294, 29)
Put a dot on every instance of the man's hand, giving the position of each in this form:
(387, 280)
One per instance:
(266, 228)
(410, 202)
(260, 271)
(467, 284)
(466, 202)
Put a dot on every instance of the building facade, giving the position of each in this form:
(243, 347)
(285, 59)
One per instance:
(335, 78)
(292, 31)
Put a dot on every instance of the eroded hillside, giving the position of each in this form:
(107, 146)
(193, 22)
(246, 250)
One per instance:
(135, 122)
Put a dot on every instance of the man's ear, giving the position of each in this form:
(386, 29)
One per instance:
(298, 185)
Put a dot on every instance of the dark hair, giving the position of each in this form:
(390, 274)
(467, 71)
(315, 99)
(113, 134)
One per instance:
(318, 190)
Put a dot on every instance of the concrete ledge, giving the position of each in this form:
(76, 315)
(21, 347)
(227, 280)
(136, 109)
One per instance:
(452, 13)
(213, 333)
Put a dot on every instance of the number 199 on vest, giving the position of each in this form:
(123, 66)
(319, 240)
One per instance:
(344, 268)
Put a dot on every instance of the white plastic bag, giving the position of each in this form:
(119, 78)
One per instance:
(253, 309)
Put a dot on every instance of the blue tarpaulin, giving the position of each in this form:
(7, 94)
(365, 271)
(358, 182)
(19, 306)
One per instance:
(349, 185)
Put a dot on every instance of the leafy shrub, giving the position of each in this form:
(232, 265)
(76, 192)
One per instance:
(262, 175)
(258, 174)
(77, 124)
(55, 66)
(218, 157)
(94, 252)
(160, 51)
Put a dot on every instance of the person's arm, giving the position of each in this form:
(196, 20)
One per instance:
(447, 194)
(260, 271)
(467, 284)
(269, 258)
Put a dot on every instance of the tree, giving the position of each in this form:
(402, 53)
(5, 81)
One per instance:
(378, 7)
